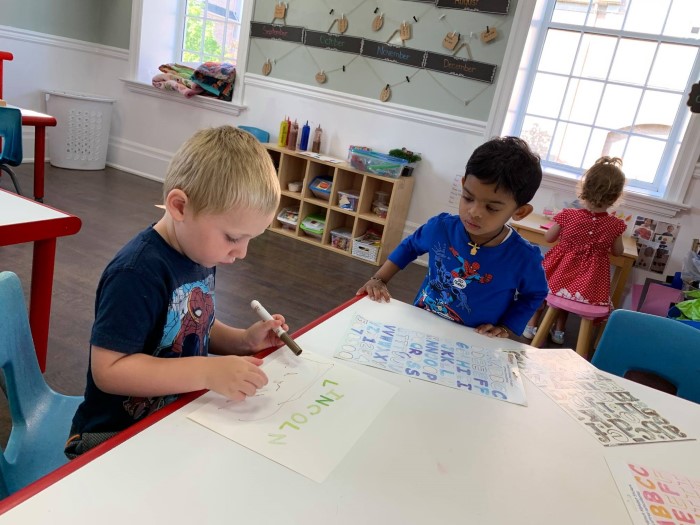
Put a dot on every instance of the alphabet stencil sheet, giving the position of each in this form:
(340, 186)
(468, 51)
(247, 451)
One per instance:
(482, 371)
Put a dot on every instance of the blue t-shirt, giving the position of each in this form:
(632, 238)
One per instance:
(153, 300)
(501, 285)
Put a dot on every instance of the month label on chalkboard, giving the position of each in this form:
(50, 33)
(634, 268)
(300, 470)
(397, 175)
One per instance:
(277, 32)
(347, 44)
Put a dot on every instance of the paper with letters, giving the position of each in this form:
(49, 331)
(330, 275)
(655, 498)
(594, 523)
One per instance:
(306, 418)
(482, 371)
(608, 411)
(654, 496)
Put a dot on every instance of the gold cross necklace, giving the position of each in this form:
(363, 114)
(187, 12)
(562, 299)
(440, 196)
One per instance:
(475, 246)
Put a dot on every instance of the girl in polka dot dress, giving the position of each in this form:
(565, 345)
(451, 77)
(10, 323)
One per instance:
(578, 267)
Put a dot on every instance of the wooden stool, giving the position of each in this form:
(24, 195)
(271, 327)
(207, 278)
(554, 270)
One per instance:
(587, 312)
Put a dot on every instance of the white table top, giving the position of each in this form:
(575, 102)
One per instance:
(15, 209)
(434, 455)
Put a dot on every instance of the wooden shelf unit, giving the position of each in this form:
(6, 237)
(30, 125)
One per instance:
(292, 166)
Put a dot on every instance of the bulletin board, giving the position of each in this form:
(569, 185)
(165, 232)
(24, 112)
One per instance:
(435, 55)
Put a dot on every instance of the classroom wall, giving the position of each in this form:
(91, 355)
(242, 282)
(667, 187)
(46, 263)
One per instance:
(146, 130)
(105, 22)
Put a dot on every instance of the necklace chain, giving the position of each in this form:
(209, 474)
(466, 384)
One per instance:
(475, 246)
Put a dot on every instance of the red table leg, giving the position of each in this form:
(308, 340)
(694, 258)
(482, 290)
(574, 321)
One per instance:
(39, 159)
(40, 296)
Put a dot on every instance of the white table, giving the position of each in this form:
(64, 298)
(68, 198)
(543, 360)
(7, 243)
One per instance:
(434, 455)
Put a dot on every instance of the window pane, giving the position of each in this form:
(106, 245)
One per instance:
(632, 61)
(195, 7)
(608, 14)
(193, 34)
(658, 108)
(594, 56)
(559, 51)
(538, 132)
(569, 144)
(581, 101)
(683, 18)
(618, 106)
(642, 157)
(547, 95)
(671, 66)
(567, 12)
(596, 147)
(213, 38)
(646, 16)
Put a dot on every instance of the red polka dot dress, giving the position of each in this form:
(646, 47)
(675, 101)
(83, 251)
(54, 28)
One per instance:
(578, 267)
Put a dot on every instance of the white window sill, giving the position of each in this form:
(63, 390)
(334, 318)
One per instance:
(220, 106)
(631, 200)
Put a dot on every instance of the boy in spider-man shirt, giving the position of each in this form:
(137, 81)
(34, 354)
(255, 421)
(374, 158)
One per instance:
(481, 273)
(155, 322)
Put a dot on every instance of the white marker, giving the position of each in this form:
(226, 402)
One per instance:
(265, 316)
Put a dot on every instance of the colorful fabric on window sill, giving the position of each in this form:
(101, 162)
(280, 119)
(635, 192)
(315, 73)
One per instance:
(217, 78)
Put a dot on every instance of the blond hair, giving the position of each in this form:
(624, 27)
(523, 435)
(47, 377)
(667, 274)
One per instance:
(602, 184)
(223, 168)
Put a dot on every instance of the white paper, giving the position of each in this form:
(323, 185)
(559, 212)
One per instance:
(307, 417)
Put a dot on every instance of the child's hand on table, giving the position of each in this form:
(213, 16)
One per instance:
(235, 377)
(376, 289)
(490, 330)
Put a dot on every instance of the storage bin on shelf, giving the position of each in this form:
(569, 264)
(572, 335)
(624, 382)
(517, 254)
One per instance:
(367, 246)
(376, 163)
(341, 238)
(313, 225)
(289, 217)
(348, 199)
(380, 209)
(321, 187)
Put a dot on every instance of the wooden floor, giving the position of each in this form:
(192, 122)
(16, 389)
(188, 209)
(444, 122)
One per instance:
(294, 278)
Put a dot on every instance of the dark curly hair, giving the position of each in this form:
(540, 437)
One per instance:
(509, 163)
(602, 184)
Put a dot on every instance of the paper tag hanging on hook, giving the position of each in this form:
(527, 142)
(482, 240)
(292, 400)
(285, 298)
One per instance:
(385, 94)
(267, 67)
(451, 40)
(405, 31)
(321, 77)
(280, 10)
(342, 24)
(378, 22)
(489, 34)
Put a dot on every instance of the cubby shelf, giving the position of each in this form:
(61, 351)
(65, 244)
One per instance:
(294, 166)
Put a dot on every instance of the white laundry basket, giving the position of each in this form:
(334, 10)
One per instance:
(79, 140)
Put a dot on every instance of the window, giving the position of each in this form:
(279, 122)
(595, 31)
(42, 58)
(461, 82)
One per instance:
(608, 77)
(211, 31)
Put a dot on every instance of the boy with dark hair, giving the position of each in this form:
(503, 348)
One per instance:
(481, 273)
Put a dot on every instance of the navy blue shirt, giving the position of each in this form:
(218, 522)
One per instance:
(152, 300)
(500, 285)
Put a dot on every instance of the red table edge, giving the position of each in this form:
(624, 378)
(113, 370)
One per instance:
(52, 477)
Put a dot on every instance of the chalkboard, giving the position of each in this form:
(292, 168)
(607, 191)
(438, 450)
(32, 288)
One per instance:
(421, 72)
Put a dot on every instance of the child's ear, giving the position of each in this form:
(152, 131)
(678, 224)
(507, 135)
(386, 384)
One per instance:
(175, 203)
(522, 212)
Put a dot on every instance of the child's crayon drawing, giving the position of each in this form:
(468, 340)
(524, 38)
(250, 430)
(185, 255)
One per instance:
(608, 411)
(308, 416)
(654, 496)
(482, 371)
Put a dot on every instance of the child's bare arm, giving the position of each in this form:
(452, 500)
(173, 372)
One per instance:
(618, 248)
(227, 340)
(143, 375)
(376, 287)
(552, 234)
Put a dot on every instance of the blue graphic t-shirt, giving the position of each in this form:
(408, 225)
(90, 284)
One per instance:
(152, 300)
(501, 285)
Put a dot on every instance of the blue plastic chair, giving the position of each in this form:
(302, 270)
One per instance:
(11, 135)
(41, 418)
(260, 134)
(669, 349)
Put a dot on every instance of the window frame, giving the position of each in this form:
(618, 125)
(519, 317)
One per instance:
(529, 25)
